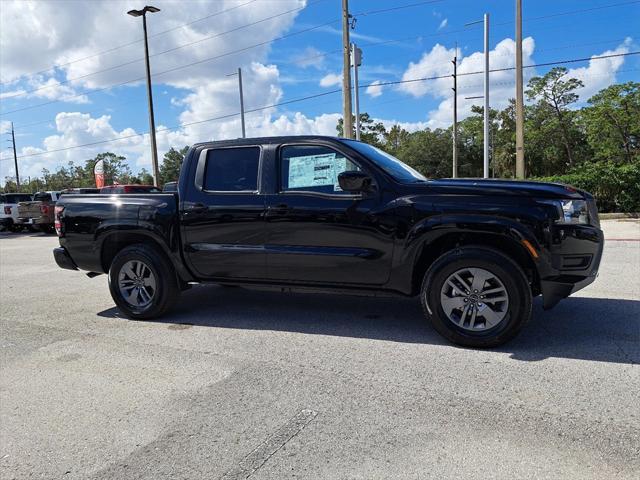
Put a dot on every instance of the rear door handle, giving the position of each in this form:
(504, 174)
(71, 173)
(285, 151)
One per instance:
(279, 209)
(197, 208)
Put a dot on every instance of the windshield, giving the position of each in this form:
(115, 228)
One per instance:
(390, 164)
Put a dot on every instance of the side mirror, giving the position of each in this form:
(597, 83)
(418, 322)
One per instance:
(354, 181)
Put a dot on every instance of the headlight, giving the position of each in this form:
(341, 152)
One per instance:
(571, 212)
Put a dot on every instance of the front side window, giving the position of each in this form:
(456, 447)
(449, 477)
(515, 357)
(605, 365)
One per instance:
(232, 169)
(311, 168)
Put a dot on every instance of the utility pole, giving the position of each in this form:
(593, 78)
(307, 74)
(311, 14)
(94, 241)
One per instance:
(346, 73)
(519, 95)
(357, 61)
(455, 113)
(152, 124)
(486, 96)
(15, 157)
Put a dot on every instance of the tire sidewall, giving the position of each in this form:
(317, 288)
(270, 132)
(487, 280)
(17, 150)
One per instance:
(507, 271)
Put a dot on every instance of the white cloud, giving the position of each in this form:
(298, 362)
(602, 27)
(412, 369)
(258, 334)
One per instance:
(310, 57)
(5, 126)
(599, 74)
(35, 35)
(374, 89)
(330, 80)
(437, 63)
(443, 24)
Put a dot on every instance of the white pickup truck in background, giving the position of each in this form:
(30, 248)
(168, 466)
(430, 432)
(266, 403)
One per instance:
(9, 209)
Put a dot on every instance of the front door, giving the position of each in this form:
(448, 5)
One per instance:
(317, 233)
(223, 221)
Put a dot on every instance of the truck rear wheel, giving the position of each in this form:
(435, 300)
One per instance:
(476, 297)
(142, 282)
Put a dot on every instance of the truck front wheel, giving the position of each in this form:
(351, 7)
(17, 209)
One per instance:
(142, 282)
(476, 297)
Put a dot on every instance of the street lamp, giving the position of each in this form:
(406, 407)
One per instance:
(239, 73)
(152, 124)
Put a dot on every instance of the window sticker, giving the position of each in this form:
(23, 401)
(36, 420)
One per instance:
(312, 170)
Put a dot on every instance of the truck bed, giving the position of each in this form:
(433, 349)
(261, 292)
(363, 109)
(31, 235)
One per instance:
(90, 220)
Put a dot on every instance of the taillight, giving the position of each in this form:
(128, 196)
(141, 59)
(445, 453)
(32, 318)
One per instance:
(58, 219)
(44, 209)
(7, 210)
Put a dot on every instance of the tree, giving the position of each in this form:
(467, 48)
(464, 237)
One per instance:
(394, 139)
(429, 152)
(370, 132)
(554, 95)
(171, 164)
(612, 122)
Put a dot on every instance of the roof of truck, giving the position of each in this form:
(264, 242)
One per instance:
(269, 140)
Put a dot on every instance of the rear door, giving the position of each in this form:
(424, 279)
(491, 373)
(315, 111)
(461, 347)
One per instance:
(317, 233)
(222, 214)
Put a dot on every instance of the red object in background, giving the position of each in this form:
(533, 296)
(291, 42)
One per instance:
(130, 189)
(98, 171)
(44, 209)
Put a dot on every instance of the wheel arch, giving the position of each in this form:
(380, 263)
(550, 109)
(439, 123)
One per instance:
(431, 249)
(114, 241)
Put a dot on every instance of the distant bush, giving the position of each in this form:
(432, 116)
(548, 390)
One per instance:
(616, 186)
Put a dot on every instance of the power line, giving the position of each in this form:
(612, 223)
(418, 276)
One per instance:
(58, 66)
(369, 12)
(322, 94)
(184, 45)
(209, 59)
(393, 9)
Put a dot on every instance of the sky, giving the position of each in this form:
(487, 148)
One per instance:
(73, 78)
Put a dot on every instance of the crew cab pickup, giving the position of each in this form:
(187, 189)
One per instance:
(9, 209)
(341, 215)
(38, 213)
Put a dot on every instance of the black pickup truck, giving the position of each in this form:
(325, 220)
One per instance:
(336, 214)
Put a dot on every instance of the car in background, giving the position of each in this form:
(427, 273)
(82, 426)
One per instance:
(170, 187)
(130, 189)
(39, 213)
(9, 209)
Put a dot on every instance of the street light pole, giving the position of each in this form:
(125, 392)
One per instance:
(356, 60)
(520, 172)
(244, 133)
(152, 123)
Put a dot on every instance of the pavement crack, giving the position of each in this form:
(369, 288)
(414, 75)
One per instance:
(258, 457)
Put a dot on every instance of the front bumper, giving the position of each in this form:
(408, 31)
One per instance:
(573, 262)
(6, 222)
(63, 259)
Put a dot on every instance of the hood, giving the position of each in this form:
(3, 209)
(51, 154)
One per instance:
(496, 187)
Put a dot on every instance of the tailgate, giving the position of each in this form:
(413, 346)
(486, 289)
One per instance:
(29, 209)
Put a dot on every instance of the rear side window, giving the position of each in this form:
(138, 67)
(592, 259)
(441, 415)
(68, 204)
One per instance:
(232, 169)
(15, 198)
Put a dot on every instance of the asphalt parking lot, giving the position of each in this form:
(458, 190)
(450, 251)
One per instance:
(237, 383)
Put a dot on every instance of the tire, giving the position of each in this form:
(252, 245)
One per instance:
(148, 292)
(487, 318)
